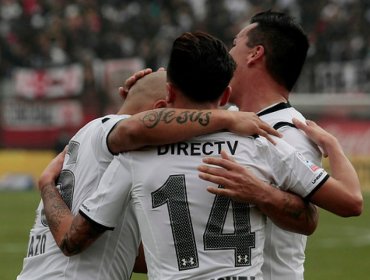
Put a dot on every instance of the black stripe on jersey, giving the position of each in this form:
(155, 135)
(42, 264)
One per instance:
(105, 119)
(281, 124)
(108, 136)
(94, 224)
(275, 108)
(308, 197)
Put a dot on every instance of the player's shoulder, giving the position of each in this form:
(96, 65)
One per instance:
(110, 119)
(280, 115)
(96, 129)
(105, 121)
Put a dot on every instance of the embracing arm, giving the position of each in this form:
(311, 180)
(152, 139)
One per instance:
(72, 233)
(164, 126)
(286, 210)
(289, 211)
(341, 194)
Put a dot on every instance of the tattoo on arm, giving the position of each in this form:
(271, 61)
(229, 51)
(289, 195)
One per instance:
(55, 208)
(307, 213)
(291, 211)
(78, 235)
(67, 248)
(153, 118)
(81, 234)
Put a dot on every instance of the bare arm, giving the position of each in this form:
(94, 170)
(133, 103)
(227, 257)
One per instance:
(286, 210)
(164, 126)
(72, 233)
(341, 194)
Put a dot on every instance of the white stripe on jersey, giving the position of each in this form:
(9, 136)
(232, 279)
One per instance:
(112, 256)
(187, 232)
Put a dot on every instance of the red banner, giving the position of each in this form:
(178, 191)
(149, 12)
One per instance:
(39, 124)
(354, 135)
(50, 83)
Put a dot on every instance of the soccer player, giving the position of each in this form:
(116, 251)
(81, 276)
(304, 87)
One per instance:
(187, 232)
(270, 53)
(89, 153)
(112, 256)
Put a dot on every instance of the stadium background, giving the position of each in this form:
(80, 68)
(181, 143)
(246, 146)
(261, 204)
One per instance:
(62, 61)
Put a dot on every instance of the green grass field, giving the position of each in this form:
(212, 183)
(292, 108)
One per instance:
(339, 249)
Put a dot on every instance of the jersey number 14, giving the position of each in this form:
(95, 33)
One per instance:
(173, 194)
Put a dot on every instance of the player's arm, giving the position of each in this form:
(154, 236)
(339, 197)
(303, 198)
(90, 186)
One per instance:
(342, 194)
(168, 125)
(72, 233)
(286, 210)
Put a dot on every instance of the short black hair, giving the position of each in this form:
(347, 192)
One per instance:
(200, 66)
(285, 43)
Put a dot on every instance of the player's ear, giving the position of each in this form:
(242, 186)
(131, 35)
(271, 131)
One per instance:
(256, 53)
(161, 103)
(171, 93)
(225, 96)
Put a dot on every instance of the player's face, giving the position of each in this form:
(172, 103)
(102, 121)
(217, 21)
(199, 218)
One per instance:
(240, 50)
(240, 53)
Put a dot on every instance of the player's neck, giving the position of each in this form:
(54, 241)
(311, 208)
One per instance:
(189, 104)
(258, 104)
(124, 111)
(258, 97)
(127, 110)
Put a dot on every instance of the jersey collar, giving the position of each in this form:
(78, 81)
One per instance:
(274, 108)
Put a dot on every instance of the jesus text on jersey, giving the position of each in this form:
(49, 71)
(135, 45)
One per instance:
(198, 148)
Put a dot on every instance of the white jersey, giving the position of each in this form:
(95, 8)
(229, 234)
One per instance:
(112, 256)
(284, 250)
(187, 232)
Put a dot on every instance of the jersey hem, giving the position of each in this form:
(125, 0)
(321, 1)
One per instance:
(317, 187)
(96, 225)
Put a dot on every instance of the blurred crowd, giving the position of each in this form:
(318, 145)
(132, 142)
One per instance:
(44, 33)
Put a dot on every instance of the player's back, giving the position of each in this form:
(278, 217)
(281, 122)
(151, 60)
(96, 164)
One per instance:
(187, 232)
(86, 160)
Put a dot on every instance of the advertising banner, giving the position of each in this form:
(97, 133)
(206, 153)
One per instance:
(64, 81)
(39, 124)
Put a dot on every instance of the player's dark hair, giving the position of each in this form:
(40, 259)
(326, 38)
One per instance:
(200, 66)
(285, 44)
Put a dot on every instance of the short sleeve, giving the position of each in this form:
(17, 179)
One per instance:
(108, 124)
(108, 203)
(302, 143)
(294, 173)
